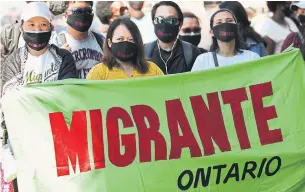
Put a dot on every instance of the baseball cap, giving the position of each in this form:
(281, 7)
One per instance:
(296, 6)
(36, 9)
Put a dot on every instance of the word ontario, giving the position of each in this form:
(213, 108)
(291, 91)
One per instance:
(224, 173)
(71, 143)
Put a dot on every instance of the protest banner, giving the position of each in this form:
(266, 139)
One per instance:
(236, 128)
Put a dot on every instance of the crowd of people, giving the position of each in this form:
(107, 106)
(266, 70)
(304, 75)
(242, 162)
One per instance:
(133, 44)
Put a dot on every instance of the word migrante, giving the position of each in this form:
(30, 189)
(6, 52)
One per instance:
(72, 143)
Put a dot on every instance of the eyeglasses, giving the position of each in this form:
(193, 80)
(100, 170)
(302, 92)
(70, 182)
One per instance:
(122, 10)
(172, 21)
(78, 10)
(195, 30)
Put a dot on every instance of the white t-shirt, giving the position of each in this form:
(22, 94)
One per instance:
(40, 69)
(276, 32)
(86, 53)
(206, 61)
(146, 28)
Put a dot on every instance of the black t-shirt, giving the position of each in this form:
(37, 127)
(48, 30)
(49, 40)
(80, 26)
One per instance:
(176, 62)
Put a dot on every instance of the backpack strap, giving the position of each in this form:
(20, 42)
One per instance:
(301, 37)
(188, 54)
(215, 59)
(100, 39)
(148, 49)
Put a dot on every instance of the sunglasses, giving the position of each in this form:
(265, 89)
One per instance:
(78, 10)
(122, 10)
(196, 30)
(172, 21)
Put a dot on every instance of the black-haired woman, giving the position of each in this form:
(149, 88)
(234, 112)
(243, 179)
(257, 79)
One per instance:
(226, 48)
(123, 54)
(254, 42)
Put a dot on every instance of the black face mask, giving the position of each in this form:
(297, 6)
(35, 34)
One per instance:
(124, 51)
(225, 32)
(37, 41)
(80, 22)
(301, 19)
(193, 39)
(166, 32)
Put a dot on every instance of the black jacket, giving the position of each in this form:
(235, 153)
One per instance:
(181, 59)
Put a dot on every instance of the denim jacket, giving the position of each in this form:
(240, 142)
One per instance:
(258, 48)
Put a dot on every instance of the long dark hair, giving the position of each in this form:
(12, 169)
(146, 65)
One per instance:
(242, 18)
(238, 43)
(109, 60)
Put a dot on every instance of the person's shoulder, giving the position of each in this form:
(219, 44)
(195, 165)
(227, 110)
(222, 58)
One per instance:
(265, 26)
(59, 51)
(203, 61)
(291, 24)
(203, 56)
(16, 25)
(152, 65)
(97, 35)
(289, 20)
(190, 47)
(98, 72)
(153, 68)
(292, 35)
(100, 67)
(202, 50)
(250, 54)
(151, 43)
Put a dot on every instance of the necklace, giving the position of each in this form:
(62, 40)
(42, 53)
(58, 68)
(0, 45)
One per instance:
(165, 62)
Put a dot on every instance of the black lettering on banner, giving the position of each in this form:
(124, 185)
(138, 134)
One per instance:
(219, 167)
(186, 178)
(261, 168)
(190, 180)
(249, 170)
(233, 172)
(205, 178)
(279, 164)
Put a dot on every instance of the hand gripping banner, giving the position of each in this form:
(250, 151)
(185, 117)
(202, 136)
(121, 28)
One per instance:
(236, 128)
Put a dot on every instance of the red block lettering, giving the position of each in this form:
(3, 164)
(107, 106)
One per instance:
(128, 140)
(210, 123)
(70, 143)
(263, 114)
(176, 117)
(148, 133)
(234, 98)
(97, 138)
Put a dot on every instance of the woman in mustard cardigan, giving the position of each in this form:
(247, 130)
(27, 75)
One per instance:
(123, 54)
